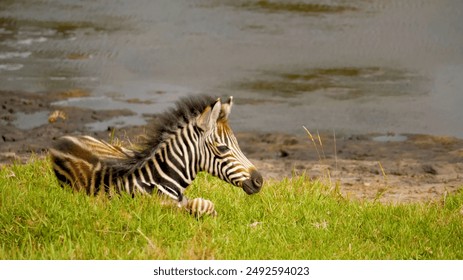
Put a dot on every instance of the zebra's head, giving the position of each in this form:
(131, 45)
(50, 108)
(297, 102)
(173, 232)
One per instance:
(223, 156)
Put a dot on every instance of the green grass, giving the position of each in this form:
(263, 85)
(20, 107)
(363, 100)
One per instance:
(291, 219)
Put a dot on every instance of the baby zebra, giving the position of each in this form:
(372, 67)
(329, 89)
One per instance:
(195, 136)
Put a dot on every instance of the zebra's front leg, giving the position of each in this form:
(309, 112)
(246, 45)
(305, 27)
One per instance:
(200, 206)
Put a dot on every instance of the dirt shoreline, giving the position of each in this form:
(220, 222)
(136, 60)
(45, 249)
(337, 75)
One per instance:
(395, 169)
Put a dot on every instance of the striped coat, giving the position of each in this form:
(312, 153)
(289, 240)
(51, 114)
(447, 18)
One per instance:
(192, 137)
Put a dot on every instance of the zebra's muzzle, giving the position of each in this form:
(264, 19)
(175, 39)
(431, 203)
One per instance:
(254, 184)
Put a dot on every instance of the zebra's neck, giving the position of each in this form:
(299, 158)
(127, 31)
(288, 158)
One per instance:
(174, 164)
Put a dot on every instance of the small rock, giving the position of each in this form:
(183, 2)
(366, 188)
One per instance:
(429, 169)
(57, 114)
(283, 154)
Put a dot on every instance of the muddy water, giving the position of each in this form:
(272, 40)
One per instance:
(349, 66)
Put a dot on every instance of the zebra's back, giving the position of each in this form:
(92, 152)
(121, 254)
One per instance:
(85, 163)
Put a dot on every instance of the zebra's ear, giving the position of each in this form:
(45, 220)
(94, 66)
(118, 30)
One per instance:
(208, 119)
(226, 109)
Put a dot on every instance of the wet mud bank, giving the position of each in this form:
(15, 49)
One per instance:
(388, 168)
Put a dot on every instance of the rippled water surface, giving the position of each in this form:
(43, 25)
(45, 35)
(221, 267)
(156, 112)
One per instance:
(350, 66)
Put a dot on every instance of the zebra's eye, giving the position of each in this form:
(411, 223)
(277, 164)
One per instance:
(223, 149)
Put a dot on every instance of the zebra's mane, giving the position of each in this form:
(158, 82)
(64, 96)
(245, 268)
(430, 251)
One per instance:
(175, 118)
(166, 124)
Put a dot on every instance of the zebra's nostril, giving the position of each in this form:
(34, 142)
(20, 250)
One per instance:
(257, 179)
(253, 184)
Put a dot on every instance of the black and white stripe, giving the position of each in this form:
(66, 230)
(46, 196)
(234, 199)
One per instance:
(193, 137)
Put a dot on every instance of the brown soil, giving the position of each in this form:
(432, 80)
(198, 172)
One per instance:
(420, 168)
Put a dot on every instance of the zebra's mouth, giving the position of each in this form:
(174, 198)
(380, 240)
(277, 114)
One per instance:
(254, 184)
(250, 190)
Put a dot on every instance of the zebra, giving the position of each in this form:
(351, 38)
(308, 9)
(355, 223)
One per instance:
(191, 137)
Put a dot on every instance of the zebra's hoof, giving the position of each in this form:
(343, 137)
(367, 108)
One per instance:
(200, 206)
